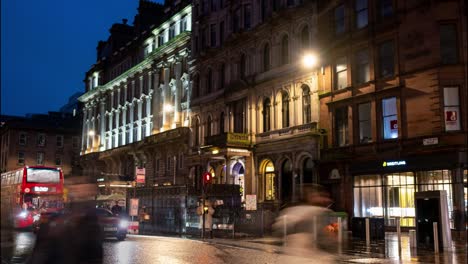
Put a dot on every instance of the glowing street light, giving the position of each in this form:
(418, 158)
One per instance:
(310, 60)
(91, 133)
(168, 108)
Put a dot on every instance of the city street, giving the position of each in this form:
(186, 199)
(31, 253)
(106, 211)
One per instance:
(158, 249)
(144, 249)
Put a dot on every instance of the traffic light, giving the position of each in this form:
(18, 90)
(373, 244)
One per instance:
(207, 178)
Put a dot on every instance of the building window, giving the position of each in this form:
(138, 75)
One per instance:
(183, 24)
(209, 81)
(58, 160)
(22, 138)
(341, 73)
(305, 37)
(284, 50)
(247, 16)
(213, 35)
(222, 76)
(270, 181)
(20, 158)
(236, 21)
(221, 123)
(168, 163)
(60, 141)
(448, 44)
(451, 109)
(362, 66)
(341, 126)
(266, 57)
(40, 158)
(390, 118)
(171, 31)
(386, 59)
(181, 160)
(339, 19)
(365, 132)
(285, 109)
(41, 140)
(361, 13)
(197, 133)
(221, 32)
(243, 67)
(385, 8)
(306, 107)
(208, 126)
(266, 115)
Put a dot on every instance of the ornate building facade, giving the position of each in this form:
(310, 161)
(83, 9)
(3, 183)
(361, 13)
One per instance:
(136, 106)
(254, 107)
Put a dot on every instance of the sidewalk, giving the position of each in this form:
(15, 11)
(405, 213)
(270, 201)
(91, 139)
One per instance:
(355, 251)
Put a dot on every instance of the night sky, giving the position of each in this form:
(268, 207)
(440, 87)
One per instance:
(48, 45)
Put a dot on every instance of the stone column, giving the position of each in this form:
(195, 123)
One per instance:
(155, 102)
(139, 119)
(166, 98)
(227, 118)
(124, 125)
(89, 127)
(149, 83)
(117, 127)
(148, 116)
(140, 90)
(178, 89)
(314, 99)
(84, 131)
(131, 123)
(189, 99)
(102, 125)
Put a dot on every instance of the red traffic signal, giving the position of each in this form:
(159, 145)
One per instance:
(207, 178)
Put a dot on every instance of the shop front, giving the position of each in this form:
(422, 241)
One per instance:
(386, 188)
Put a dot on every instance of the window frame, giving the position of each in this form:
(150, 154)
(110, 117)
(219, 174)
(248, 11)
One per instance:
(339, 72)
(339, 25)
(62, 140)
(38, 140)
(383, 57)
(21, 156)
(22, 137)
(362, 66)
(385, 117)
(361, 121)
(40, 154)
(306, 105)
(359, 10)
(285, 110)
(453, 108)
(449, 45)
(341, 126)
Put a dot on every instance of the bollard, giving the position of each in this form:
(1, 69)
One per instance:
(412, 238)
(367, 231)
(340, 235)
(398, 226)
(436, 238)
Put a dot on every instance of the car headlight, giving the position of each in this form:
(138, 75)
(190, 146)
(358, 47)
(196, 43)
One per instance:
(123, 224)
(23, 214)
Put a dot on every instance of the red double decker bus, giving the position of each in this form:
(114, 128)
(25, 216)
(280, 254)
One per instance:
(31, 190)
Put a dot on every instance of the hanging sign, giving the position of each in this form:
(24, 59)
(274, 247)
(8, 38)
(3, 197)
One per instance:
(133, 207)
(452, 120)
(140, 175)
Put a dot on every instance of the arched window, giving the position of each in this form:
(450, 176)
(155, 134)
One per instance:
(285, 109)
(208, 126)
(222, 76)
(266, 115)
(270, 180)
(242, 67)
(197, 132)
(285, 50)
(209, 81)
(221, 123)
(306, 110)
(266, 57)
(305, 37)
(307, 171)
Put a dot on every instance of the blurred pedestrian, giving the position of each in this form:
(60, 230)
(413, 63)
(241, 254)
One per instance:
(116, 209)
(74, 235)
(304, 227)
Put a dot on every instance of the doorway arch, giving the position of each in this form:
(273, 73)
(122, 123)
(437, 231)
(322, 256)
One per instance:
(286, 181)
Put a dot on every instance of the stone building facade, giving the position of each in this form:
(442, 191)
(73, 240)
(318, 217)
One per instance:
(393, 98)
(137, 99)
(254, 107)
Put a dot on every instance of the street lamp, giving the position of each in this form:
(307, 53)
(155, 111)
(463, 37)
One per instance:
(310, 60)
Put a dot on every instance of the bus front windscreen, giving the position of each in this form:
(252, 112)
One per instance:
(43, 175)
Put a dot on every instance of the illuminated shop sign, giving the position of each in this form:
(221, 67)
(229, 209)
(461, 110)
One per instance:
(394, 163)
